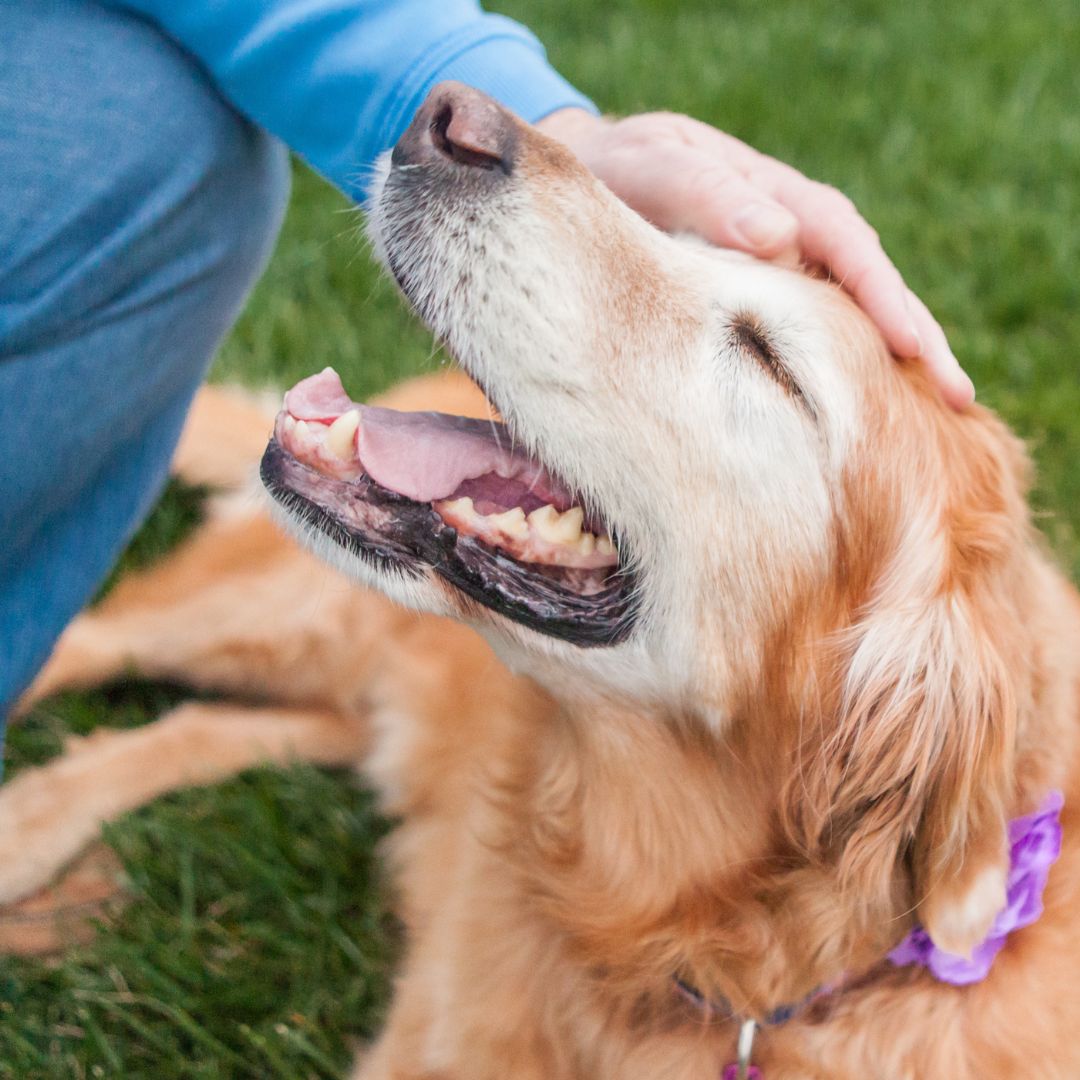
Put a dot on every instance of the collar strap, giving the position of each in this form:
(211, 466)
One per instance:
(721, 1008)
(1034, 845)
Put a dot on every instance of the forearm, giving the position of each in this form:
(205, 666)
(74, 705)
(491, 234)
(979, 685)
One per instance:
(338, 80)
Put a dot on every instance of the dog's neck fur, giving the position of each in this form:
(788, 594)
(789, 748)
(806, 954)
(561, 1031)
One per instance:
(656, 847)
(660, 846)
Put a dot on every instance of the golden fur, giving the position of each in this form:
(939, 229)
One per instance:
(564, 852)
(547, 867)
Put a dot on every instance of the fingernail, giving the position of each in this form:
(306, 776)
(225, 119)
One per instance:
(763, 226)
(955, 383)
(917, 346)
(965, 388)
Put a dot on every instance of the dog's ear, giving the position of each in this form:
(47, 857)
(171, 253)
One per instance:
(911, 778)
(920, 766)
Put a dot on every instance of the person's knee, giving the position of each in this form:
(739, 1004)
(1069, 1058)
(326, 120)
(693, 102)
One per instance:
(139, 180)
(138, 210)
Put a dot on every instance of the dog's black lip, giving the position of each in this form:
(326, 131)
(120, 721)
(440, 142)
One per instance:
(416, 537)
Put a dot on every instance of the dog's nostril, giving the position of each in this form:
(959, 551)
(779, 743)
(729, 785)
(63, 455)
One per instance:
(440, 121)
(460, 128)
(466, 139)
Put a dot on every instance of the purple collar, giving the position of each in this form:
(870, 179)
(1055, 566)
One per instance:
(1034, 845)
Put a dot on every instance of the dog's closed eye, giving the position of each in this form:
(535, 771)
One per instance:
(752, 339)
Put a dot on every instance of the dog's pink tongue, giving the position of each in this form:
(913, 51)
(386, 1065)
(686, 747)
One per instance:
(422, 455)
(429, 455)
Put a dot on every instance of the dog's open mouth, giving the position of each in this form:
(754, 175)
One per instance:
(450, 492)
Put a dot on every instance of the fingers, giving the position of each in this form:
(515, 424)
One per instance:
(686, 176)
(956, 388)
(685, 190)
(833, 234)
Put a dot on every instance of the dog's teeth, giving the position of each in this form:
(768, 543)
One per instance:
(569, 527)
(289, 423)
(543, 521)
(604, 546)
(587, 543)
(341, 435)
(557, 528)
(512, 522)
(461, 507)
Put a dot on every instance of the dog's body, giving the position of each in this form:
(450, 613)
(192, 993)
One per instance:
(847, 664)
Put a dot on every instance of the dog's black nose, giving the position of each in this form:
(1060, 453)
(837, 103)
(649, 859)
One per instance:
(461, 125)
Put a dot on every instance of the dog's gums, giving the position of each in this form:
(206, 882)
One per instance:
(451, 492)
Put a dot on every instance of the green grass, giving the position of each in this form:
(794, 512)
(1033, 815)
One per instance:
(258, 942)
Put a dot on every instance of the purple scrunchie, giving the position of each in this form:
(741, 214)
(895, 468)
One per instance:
(1035, 842)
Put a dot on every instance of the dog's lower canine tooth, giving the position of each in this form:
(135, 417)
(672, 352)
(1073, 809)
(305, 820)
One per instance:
(341, 435)
(604, 546)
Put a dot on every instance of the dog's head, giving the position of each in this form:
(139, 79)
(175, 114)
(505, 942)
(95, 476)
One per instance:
(713, 494)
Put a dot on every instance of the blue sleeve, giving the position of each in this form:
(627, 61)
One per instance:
(339, 80)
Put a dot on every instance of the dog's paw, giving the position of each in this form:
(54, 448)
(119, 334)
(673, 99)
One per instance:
(40, 832)
(65, 913)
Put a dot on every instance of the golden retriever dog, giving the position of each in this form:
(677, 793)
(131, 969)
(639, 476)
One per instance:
(717, 665)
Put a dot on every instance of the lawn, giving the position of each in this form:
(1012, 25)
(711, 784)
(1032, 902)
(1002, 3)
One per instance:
(259, 941)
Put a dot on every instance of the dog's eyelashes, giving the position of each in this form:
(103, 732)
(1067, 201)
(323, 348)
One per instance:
(752, 339)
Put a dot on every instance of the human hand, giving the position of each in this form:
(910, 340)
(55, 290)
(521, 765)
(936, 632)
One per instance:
(684, 175)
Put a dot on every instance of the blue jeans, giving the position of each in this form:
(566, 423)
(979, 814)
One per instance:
(136, 211)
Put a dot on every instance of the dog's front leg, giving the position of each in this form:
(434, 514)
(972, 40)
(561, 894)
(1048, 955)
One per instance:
(413, 1046)
(475, 997)
(49, 814)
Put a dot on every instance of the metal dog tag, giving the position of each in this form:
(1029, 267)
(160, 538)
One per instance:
(742, 1069)
(745, 1048)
